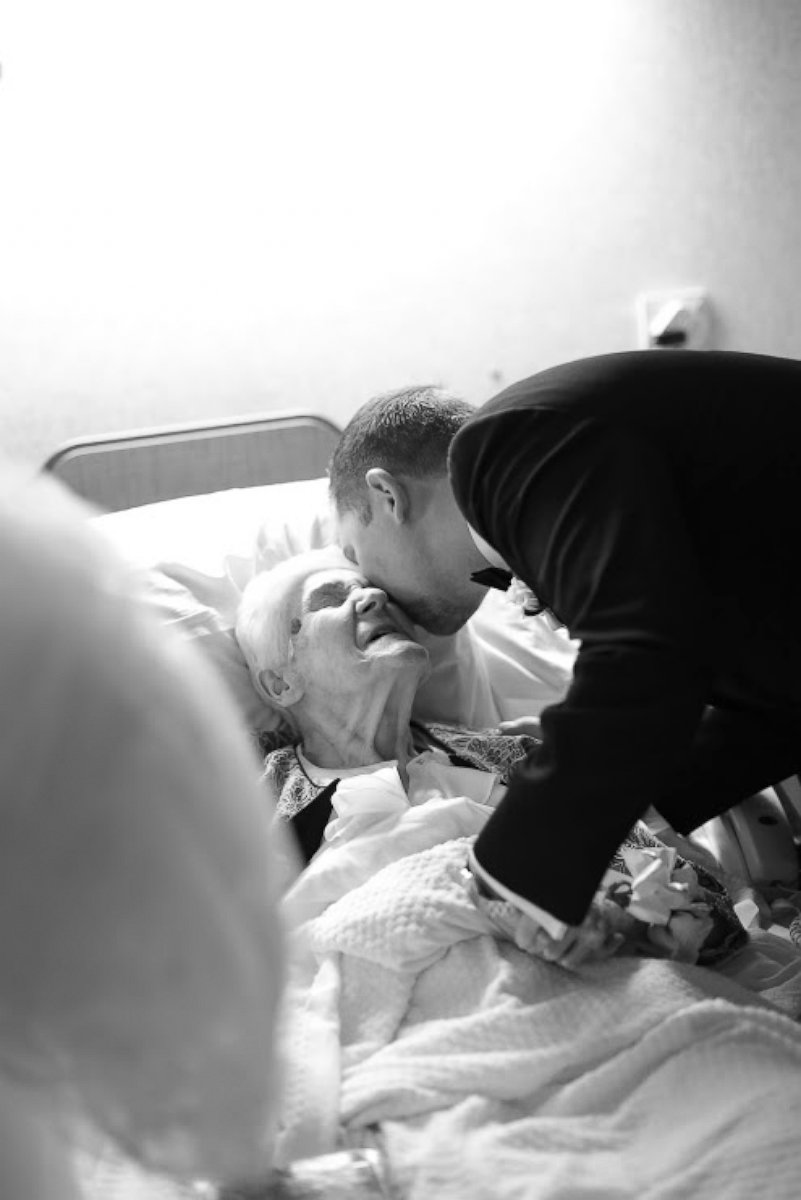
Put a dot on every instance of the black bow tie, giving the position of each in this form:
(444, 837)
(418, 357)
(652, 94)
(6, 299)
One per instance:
(494, 577)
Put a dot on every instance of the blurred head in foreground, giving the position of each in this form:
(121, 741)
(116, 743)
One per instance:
(142, 956)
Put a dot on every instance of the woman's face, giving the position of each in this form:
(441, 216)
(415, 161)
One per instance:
(343, 629)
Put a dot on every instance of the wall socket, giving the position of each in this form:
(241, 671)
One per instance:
(673, 319)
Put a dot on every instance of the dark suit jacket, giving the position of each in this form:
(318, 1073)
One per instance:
(652, 501)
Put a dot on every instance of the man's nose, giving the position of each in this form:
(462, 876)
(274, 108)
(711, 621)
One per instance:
(370, 598)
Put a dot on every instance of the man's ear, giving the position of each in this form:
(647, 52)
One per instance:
(281, 688)
(389, 493)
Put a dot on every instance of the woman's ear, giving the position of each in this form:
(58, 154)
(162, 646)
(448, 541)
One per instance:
(388, 493)
(281, 688)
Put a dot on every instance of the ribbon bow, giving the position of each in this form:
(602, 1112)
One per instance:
(494, 577)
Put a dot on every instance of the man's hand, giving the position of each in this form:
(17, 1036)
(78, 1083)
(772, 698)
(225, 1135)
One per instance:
(600, 935)
(595, 939)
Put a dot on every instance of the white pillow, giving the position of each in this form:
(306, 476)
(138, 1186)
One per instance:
(192, 558)
(529, 664)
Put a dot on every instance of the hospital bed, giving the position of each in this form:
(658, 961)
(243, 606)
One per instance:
(222, 460)
(196, 510)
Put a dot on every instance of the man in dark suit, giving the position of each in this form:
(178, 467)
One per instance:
(651, 502)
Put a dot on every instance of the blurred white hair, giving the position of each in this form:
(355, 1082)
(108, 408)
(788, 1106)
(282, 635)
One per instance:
(139, 866)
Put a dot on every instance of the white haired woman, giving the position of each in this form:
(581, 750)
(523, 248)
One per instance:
(343, 664)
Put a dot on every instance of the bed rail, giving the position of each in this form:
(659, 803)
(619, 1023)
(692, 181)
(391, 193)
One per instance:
(125, 470)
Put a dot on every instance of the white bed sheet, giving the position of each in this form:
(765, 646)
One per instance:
(493, 1074)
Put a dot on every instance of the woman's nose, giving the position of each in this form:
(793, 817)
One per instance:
(370, 598)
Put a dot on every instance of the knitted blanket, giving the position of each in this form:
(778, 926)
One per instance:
(493, 1074)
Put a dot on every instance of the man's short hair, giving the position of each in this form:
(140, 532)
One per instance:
(406, 432)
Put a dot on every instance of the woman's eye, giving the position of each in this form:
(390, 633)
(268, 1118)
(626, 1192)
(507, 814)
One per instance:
(330, 596)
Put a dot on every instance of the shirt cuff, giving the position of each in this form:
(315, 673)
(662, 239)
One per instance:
(552, 925)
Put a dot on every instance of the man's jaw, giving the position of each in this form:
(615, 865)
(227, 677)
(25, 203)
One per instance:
(441, 619)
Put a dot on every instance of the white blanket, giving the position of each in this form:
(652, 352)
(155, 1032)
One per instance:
(493, 1074)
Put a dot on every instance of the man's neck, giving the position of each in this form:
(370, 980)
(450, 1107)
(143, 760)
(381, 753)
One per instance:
(487, 551)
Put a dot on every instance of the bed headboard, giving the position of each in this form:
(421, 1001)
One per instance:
(126, 470)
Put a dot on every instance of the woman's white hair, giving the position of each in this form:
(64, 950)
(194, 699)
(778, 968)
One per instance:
(268, 604)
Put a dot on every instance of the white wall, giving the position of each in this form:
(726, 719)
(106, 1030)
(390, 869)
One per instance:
(223, 206)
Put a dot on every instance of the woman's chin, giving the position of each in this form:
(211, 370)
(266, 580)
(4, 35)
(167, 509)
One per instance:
(402, 654)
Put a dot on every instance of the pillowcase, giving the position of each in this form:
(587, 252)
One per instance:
(192, 557)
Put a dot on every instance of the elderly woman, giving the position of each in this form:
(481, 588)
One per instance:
(344, 664)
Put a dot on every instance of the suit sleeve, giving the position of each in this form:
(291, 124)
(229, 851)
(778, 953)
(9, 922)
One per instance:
(588, 516)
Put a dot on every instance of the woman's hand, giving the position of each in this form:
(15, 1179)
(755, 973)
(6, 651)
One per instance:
(608, 929)
(595, 939)
(526, 726)
(683, 937)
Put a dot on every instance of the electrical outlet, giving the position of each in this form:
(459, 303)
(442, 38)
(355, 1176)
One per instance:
(673, 319)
